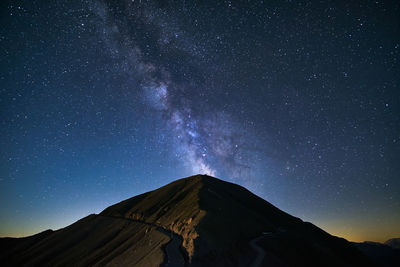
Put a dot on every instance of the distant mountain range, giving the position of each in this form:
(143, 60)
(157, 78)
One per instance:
(195, 221)
(386, 254)
(393, 243)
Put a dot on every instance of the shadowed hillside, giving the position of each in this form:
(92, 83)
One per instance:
(199, 221)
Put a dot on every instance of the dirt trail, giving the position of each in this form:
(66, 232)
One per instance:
(260, 251)
(173, 249)
(262, 254)
(174, 253)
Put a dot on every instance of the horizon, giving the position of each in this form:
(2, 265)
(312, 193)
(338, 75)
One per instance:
(296, 101)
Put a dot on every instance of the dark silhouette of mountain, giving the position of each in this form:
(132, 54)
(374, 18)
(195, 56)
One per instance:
(196, 221)
(393, 243)
(387, 254)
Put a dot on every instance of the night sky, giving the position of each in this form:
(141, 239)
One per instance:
(298, 101)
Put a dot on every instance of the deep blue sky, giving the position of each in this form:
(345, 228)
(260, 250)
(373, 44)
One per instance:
(296, 100)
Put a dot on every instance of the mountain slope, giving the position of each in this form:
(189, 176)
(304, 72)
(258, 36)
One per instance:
(93, 240)
(218, 224)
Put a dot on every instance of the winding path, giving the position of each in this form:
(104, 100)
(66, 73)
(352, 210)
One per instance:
(173, 251)
(260, 252)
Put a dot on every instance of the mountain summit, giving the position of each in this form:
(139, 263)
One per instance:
(208, 213)
(195, 221)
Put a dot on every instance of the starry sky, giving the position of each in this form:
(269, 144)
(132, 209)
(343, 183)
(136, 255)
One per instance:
(296, 100)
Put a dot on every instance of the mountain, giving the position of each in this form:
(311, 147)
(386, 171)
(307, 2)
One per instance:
(393, 243)
(386, 254)
(195, 221)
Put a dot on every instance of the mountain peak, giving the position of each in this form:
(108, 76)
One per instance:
(203, 179)
(208, 213)
(203, 206)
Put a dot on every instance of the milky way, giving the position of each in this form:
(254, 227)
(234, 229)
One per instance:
(201, 141)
